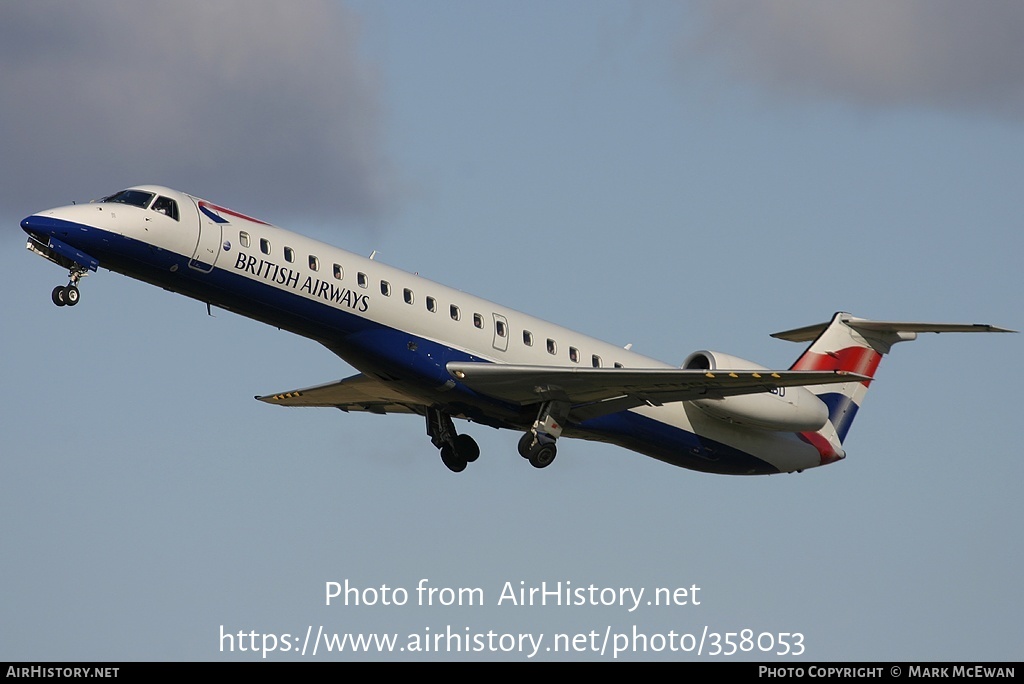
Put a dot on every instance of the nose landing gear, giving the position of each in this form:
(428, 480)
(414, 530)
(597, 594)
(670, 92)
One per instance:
(65, 295)
(68, 295)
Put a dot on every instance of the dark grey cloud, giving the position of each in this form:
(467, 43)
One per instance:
(262, 104)
(945, 54)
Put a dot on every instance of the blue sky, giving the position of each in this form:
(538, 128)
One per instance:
(678, 176)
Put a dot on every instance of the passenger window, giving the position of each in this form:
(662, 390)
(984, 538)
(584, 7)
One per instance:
(528, 338)
(338, 273)
(265, 245)
(407, 293)
(385, 288)
(499, 327)
(243, 237)
(362, 279)
(478, 321)
(289, 254)
(574, 354)
(596, 360)
(431, 305)
(454, 311)
(552, 347)
(314, 263)
(166, 206)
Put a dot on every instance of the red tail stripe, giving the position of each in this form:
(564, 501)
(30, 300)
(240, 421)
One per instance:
(859, 360)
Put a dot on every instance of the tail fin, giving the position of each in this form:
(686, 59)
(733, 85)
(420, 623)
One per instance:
(857, 345)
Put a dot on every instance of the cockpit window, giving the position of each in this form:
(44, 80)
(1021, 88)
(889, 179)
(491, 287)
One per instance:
(166, 206)
(136, 198)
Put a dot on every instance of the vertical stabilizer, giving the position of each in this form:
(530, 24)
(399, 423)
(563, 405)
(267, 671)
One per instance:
(856, 345)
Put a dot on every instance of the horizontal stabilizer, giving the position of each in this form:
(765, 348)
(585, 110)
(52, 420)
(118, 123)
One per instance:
(810, 332)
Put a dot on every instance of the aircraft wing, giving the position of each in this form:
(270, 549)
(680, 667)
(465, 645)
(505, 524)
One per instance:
(597, 391)
(357, 393)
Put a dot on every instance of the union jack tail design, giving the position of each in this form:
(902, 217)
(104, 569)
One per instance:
(856, 345)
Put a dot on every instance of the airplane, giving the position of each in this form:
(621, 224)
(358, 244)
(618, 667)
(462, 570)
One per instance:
(423, 348)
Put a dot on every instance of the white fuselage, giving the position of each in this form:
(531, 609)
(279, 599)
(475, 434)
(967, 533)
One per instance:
(386, 321)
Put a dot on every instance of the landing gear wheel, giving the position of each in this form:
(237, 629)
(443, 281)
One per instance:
(525, 444)
(466, 448)
(541, 455)
(65, 295)
(452, 460)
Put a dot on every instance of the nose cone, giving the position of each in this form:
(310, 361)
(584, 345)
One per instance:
(61, 222)
(41, 225)
(61, 241)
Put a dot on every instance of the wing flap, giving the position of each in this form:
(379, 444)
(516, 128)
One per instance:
(356, 393)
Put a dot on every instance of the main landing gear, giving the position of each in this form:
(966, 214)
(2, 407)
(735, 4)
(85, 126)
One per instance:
(457, 450)
(68, 295)
(538, 449)
(538, 444)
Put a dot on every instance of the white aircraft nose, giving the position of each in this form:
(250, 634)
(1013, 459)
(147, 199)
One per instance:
(60, 222)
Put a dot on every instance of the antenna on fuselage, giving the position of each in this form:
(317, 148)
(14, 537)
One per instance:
(373, 254)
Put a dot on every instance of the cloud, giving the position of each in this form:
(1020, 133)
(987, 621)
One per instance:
(259, 103)
(943, 54)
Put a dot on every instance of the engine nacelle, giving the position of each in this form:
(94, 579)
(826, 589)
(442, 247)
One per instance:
(786, 409)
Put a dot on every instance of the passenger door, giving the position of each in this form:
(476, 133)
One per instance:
(209, 241)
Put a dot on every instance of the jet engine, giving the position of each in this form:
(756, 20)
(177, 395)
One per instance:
(784, 409)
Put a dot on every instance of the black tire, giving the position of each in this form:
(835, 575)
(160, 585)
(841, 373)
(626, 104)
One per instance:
(58, 295)
(71, 295)
(525, 444)
(451, 460)
(467, 448)
(542, 455)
